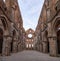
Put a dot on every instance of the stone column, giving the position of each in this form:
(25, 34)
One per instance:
(45, 41)
(53, 46)
(6, 45)
(41, 47)
(45, 47)
(15, 46)
(19, 46)
(52, 41)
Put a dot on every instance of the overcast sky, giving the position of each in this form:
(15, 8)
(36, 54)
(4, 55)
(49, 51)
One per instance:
(30, 10)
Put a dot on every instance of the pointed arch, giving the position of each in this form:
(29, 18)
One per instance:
(4, 22)
(56, 32)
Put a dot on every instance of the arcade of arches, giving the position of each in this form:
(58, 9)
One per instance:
(14, 38)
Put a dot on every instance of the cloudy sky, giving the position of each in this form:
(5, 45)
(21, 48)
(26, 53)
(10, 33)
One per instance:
(30, 10)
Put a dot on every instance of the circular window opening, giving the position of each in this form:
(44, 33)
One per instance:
(59, 28)
(30, 35)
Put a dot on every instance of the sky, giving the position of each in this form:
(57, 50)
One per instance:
(30, 11)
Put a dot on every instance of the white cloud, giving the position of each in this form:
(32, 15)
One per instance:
(30, 12)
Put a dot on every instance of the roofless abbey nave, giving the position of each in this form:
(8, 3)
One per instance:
(14, 38)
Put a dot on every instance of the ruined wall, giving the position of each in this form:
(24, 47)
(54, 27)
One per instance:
(11, 26)
(45, 28)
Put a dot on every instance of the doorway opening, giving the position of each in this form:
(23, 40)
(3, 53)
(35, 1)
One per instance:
(47, 41)
(1, 40)
(58, 41)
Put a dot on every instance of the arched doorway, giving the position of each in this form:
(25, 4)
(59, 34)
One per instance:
(11, 46)
(1, 40)
(57, 33)
(47, 41)
(57, 28)
(48, 46)
(58, 40)
(54, 40)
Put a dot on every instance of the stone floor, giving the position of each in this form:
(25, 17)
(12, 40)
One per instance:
(29, 56)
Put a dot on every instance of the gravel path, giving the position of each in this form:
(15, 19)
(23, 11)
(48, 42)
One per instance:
(29, 56)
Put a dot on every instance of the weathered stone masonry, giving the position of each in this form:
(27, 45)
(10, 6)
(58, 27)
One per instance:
(11, 28)
(48, 28)
(13, 37)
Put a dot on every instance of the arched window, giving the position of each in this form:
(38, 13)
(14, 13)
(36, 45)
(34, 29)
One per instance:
(27, 46)
(4, 22)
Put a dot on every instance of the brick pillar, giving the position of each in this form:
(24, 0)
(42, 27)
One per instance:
(53, 46)
(52, 40)
(41, 48)
(45, 47)
(6, 45)
(45, 41)
(15, 46)
(19, 47)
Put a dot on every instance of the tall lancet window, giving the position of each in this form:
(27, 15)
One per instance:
(47, 2)
(48, 14)
(47, 10)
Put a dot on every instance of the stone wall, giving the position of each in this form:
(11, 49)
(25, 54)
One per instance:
(47, 29)
(12, 27)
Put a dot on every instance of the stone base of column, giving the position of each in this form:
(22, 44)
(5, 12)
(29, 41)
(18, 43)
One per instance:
(53, 46)
(6, 45)
(15, 47)
(19, 48)
(41, 48)
(45, 47)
